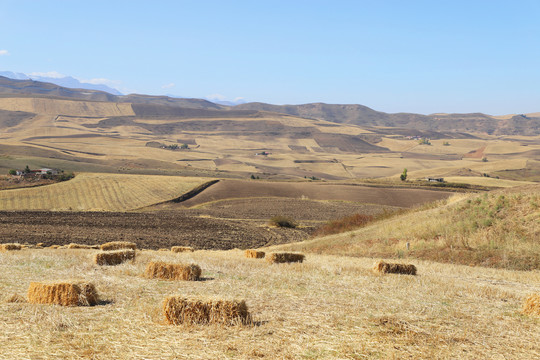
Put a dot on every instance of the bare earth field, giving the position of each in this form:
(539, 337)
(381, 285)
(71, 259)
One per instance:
(148, 230)
(326, 308)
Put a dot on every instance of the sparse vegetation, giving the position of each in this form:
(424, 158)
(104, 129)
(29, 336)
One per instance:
(424, 141)
(282, 221)
(403, 175)
(347, 223)
(446, 143)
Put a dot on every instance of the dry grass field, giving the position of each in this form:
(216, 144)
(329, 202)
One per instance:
(99, 192)
(498, 229)
(328, 307)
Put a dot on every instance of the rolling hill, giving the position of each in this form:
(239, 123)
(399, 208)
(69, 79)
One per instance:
(47, 125)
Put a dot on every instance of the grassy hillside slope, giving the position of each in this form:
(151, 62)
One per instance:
(99, 192)
(497, 229)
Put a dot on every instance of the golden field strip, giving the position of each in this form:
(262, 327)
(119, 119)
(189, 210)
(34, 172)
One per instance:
(328, 307)
(99, 192)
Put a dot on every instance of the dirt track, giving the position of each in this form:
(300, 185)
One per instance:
(148, 230)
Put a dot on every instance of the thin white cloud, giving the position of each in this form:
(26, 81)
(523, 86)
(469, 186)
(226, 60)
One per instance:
(50, 74)
(236, 99)
(4, 52)
(168, 86)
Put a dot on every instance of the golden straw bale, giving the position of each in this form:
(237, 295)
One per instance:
(10, 247)
(63, 293)
(54, 246)
(39, 244)
(179, 249)
(179, 310)
(117, 245)
(389, 268)
(255, 254)
(277, 258)
(532, 305)
(114, 257)
(82, 246)
(163, 270)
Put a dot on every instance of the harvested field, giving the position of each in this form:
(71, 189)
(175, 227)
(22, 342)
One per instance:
(327, 308)
(235, 189)
(107, 192)
(302, 210)
(148, 230)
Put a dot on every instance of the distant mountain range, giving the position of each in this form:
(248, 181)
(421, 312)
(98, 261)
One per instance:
(66, 81)
(523, 124)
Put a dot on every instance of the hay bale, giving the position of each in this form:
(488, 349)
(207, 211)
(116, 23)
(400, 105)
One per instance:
(118, 245)
(179, 249)
(54, 246)
(39, 244)
(179, 310)
(10, 247)
(161, 270)
(63, 293)
(114, 257)
(389, 268)
(532, 305)
(254, 254)
(278, 258)
(82, 246)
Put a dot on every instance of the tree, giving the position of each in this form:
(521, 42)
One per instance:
(26, 169)
(403, 175)
(184, 146)
(12, 172)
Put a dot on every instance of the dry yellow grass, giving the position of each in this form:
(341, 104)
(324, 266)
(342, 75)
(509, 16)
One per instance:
(118, 245)
(82, 246)
(180, 249)
(393, 268)
(179, 310)
(254, 254)
(100, 192)
(63, 293)
(161, 270)
(532, 305)
(328, 308)
(279, 258)
(114, 257)
(10, 247)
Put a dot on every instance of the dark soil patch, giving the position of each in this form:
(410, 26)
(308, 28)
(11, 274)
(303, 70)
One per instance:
(148, 230)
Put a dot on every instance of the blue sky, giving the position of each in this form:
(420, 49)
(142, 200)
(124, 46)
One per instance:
(393, 56)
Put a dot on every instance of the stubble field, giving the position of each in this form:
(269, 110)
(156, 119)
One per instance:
(326, 308)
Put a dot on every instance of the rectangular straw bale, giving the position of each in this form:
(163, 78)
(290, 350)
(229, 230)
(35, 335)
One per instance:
(179, 310)
(118, 245)
(277, 258)
(255, 254)
(389, 268)
(161, 270)
(10, 247)
(179, 249)
(54, 246)
(63, 293)
(114, 257)
(532, 305)
(82, 246)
